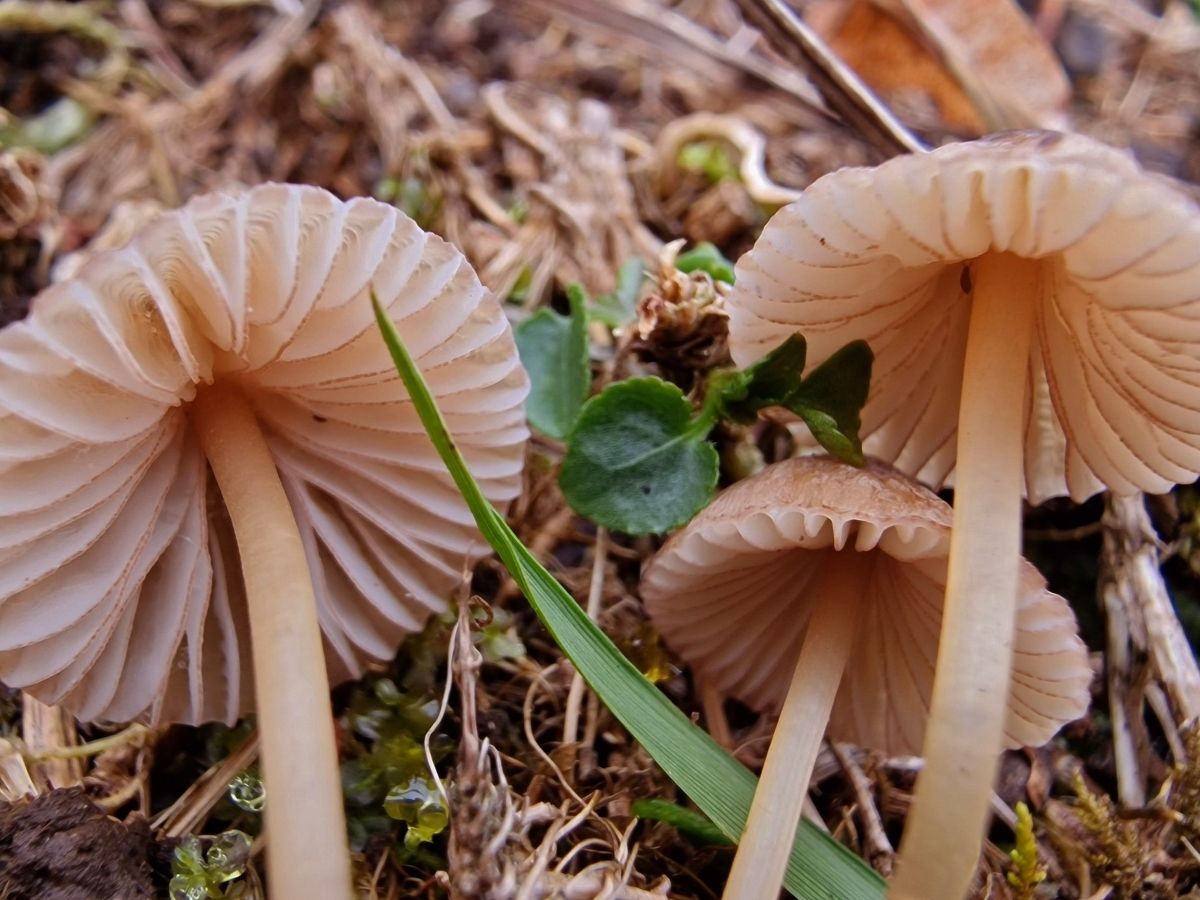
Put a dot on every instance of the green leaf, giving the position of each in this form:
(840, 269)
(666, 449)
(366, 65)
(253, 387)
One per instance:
(618, 309)
(705, 257)
(554, 351)
(710, 158)
(636, 460)
(770, 381)
(59, 125)
(686, 821)
(830, 399)
(819, 868)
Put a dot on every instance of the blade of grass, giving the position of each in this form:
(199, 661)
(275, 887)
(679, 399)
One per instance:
(819, 868)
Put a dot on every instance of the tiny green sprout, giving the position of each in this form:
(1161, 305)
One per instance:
(247, 791)
(497, 639)
(59, 125)
(705, 257)
(619, 308)
(380, 783)
(518, 210)
(198, 873)
(417, 803)
(554, 351)
(1026, 872)
(413, 195)
(519, 292)
(711, 159)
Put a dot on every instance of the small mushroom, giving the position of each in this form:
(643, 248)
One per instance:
(1033, 302)
(209, 468)
(816, 588)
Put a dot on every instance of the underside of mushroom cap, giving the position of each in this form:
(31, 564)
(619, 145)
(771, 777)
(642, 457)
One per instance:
(120, 584)
(730, 593)
(883, 255)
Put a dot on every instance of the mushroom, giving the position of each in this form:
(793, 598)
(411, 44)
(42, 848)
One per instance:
(816, 588)
(207, 459)
(1033, 302)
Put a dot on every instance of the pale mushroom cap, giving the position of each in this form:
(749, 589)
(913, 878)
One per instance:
(730, 593)
(879, 254)
(120, 585)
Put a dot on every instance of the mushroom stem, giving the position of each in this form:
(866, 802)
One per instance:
(305, 822)
(763, 851)
(940, 849)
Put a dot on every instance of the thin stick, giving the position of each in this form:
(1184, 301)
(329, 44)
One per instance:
(595, 593)
(191, 810)
(50, 736)
(875, 840)
(774, 816)
(843, 91)
(304, 818)
(940, 849)
(133, 733)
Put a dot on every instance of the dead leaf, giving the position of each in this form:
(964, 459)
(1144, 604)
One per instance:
(965, 66)
(1004, 65)
(894, 63)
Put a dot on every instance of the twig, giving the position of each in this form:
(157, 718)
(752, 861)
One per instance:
(191, 810)
(595, 593)
(1156, 697)
(1145, 639)
(133, 734)
(15, 780)
(879, 849)
(50, 741)
(842, 89)
(655, 32)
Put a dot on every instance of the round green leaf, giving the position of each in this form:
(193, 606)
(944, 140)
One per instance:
(637, 461)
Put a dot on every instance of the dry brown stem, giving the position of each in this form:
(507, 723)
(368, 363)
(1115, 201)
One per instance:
(1145, 640)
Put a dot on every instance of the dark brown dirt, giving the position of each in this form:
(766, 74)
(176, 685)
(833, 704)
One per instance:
(61, 846)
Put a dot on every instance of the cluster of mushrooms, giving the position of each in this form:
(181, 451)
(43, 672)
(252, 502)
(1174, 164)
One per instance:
(1033, 303)
(216, 496)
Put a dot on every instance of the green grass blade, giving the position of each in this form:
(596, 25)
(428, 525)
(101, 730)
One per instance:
(820, 868)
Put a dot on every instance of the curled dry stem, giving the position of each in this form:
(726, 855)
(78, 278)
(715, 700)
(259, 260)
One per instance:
(750, 144)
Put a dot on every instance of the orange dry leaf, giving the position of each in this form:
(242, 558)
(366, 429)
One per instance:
(999, 58)
(892, 60)
(980, 64)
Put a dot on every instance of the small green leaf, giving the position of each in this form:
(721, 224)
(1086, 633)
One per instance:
(59, 125)
(769, 382)
(830, 399)
(637, 461)
(554, 351)
(705, 257)
(618, 309)
(710, 158)
(695, 825)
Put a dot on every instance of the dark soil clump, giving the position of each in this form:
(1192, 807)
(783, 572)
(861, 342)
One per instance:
(61, 846)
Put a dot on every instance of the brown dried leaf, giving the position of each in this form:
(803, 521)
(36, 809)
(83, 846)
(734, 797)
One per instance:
(1004, 65)
(891, 59)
